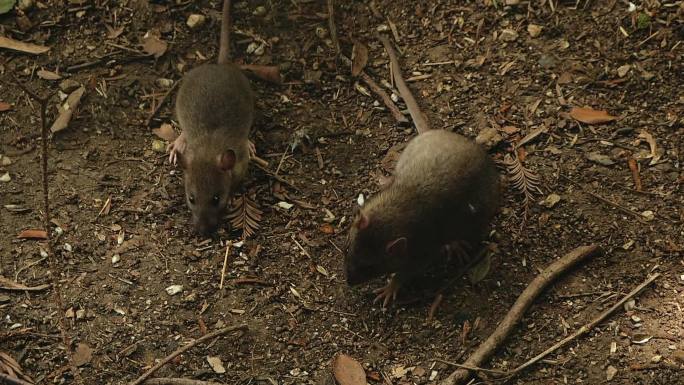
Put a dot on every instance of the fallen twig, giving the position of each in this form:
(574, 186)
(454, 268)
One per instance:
(161, 103)
(9, 380)
(182, 349)
(586, 328)
(178, 381)
(418, 117)
(225, 263)
(8, 284)
(333, 29)
(634, 167)
(52, 261)
(274, 176)
(608, 201)
(524, 301)
(394, 110)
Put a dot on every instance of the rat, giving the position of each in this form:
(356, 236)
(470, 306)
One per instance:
(215, 110)
(444, 191)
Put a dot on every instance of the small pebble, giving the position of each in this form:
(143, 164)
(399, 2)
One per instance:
(195, 21)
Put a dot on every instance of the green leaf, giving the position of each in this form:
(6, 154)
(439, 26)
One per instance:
(6, 5)
(479, 271)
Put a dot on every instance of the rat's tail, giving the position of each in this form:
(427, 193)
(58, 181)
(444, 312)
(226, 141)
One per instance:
(224, 40)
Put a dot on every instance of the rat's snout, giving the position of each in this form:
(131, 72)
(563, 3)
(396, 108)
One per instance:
(205, 226)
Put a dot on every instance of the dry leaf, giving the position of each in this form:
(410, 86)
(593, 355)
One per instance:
(8, 365)
(153, 45)
(48, 75)
(66, 110)
(655, 157)
(165, 132)
(5, 106)
(532, 135)
(32, 234)
(591, 116)
(7, 284)
(524, 180)
(359, 58)
(266, 73)
(20, 46)
(216, 364)
(82, 355)
(348, 371)
(113, 33)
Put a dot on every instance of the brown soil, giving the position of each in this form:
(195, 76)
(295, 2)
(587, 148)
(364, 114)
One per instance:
(498, 76)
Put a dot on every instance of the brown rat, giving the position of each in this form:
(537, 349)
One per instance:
(215, 110)
(445, 189)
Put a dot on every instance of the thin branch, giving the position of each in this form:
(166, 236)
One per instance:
(182, 349)
(178, 381)
(524, 301)
(418, 117)
(586, 328)
(161, 103)
(608, 201)
(331, 26)
(52, 261)
(9, 380)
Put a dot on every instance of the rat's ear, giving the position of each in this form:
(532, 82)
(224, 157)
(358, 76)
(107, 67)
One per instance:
(226, 161)
(397, 248)
(363, 221)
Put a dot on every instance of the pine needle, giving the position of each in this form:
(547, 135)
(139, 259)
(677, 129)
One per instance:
(524, 180)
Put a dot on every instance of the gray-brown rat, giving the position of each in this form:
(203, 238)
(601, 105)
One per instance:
(215, 110)
(445, 189)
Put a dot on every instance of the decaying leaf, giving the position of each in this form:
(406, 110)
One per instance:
(113, 33)
(67, 109)
(216, 364)
(20, 46)
(153, 45)
(245, 215)
(48, 75)
(166, 132)
(5, 106)
(480, 270)
(359, 58)
(32, 234)
(591, 116)
(348, 371)
(266, 73)
(82, 355)
(654, 155)
(524, 180)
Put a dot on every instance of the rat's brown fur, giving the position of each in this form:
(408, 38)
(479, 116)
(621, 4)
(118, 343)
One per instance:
(445, 188)
(215, 109)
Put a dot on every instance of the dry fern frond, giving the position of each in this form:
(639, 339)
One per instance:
(524, 180)
(245, 215)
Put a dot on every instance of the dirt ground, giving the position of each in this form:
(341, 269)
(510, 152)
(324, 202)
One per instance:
(482, 68)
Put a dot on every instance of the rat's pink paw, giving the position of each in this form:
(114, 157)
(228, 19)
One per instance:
(175, 148)
(387, 293)
(252, 150)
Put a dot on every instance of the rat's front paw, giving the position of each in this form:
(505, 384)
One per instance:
(387, 293)
(176, 148)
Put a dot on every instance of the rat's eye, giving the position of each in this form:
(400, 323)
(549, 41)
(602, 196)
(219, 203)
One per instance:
(215, 200)
(191, 199)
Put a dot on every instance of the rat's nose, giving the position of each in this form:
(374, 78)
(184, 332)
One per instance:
(205, 228)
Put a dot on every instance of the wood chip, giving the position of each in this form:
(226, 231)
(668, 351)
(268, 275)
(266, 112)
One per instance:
(20, 46)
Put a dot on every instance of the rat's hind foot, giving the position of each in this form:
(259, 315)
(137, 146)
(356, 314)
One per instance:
(176, 147)
(387, 293)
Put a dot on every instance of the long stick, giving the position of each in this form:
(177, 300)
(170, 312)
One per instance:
(586, 328)
(418, 117)
(52, 261)
(9, 380)
(525, 300)
(182, 349)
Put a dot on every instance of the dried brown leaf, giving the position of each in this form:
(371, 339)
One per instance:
(654, 155)
(32, 234)
(524, 180)
(5, 106)
(266, 73)
(82, 355)
(20, 46)
(153, 45)
(113, 33)
(359, 58)
(166, 132)
(245, 215)
(48, 75)
(591, 116)
(67, 109)
(348, 371)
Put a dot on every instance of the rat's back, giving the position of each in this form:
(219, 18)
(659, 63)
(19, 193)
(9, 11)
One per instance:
(215, 96)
